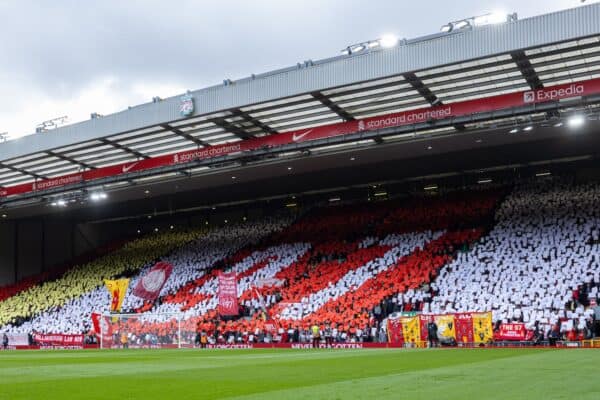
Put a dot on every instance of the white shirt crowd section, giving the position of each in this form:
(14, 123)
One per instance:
(402, 245)
(189, 262)
(192, 261)
(540, 250)
(280, 256)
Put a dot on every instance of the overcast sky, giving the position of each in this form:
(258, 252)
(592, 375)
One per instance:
(76, 57)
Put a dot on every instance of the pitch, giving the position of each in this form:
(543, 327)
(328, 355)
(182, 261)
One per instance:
(301, 374)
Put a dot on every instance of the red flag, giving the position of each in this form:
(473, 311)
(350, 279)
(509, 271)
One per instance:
(464, 327)
(101, 324)
(103, 328)
(149, 287)
(394, 330)
(227, 294)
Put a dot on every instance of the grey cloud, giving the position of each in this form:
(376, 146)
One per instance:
(60, 46)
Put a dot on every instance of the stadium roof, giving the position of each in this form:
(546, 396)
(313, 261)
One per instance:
(476, 62)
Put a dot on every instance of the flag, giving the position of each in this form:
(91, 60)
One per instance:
(411, 329)
(101, 324)
(394, 331)
(446, 327)
(103, 329)
(482, 327)
(263, 304)
(464, 327)
(117, 289)
(150, 285)
(227, 294)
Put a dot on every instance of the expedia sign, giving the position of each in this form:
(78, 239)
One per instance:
(541, 95)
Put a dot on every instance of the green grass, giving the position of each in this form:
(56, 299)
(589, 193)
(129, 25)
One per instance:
(301, 374)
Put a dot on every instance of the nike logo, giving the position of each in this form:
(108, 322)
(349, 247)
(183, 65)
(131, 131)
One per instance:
(296, 137)
(127, 168)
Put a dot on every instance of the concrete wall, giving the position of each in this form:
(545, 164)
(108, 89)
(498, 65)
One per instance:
(7, 252)
(29, 247)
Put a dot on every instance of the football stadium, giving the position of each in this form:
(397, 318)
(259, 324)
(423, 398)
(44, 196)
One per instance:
(409, 218)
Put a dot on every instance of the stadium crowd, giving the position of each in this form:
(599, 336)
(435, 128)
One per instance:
(540, 264)
(75, 286)
(530, 255)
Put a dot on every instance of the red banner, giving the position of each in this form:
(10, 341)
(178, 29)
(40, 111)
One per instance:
(462, 108)
(394, 330)
(58, 339)
(512, 331)
(101, 324)
(227, 294)
(423, 321)
(464, 327)
(150, 285)
(103, 329)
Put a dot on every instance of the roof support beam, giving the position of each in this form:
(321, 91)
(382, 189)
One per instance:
(22, 171)
(228, 127)
(185, 135)
(332, 106)
(124, 148)
(248, 118)
(420, 87)
(427, 94)
(527, 69)
(69, 159)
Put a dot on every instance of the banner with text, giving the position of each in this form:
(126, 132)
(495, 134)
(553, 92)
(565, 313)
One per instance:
(51, 339)
(227, 294)
(512, 331)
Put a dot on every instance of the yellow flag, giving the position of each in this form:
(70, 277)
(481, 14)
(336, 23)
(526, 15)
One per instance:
(411, 328)
(117, 289)
(446, 326)
(482, 327)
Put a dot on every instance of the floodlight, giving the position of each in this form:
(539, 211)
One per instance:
(461, 24)
(388, 40)
(446, 28)
(97, 196)
(497, 17)
(575, 121)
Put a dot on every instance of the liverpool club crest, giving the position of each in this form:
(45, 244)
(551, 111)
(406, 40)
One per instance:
(186, 107)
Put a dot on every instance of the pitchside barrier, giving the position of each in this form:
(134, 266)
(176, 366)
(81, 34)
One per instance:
(587, 344)
(171, 330)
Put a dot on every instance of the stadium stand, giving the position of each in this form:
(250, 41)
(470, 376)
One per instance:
(49, 298)
(539, 264)
(528, 254)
